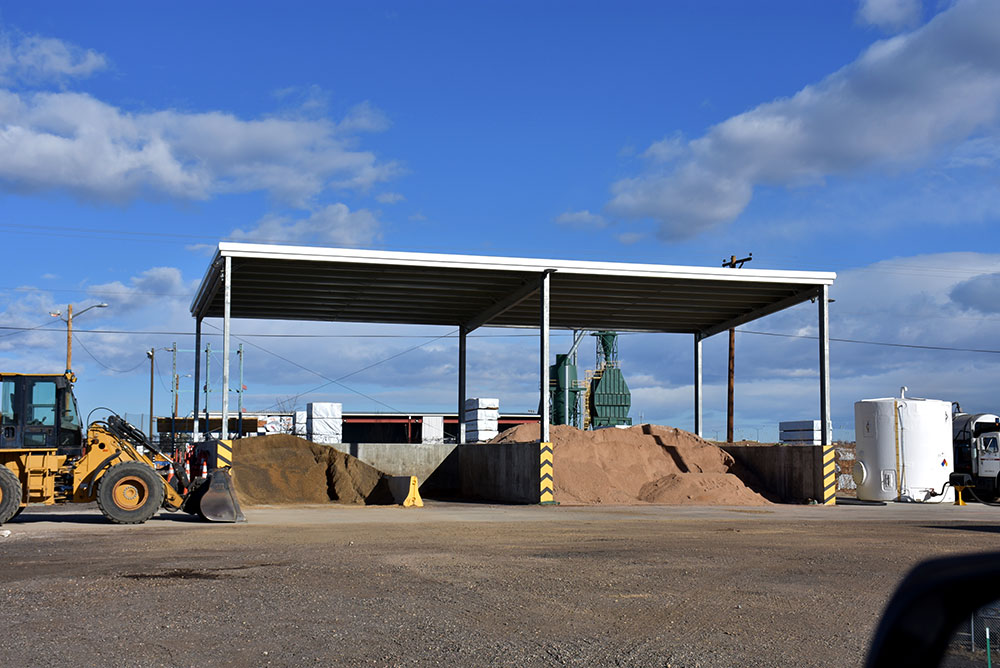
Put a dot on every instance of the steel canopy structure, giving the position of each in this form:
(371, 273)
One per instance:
(277, 282)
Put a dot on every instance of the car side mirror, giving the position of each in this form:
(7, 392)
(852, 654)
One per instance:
(930, 604)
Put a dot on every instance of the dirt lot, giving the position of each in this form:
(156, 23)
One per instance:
(464, 585)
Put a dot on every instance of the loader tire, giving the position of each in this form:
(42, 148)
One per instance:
(130, 493)
(10, 494)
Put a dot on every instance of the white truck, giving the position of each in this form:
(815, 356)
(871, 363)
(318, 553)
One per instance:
(977, 452)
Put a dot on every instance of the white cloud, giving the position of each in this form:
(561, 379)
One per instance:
(929, 300)
(33, 58)
(629, 238)
(666, 149)
(154, 284)
(977, 152)
(307, 99)
(364, 117)
(891, 14)
(74, 142)
(389, 198)
(58, 140)
(901, 102)
(582, 219)
(332, 224)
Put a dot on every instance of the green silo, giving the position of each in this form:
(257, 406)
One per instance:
(564, 388)
(610, 400)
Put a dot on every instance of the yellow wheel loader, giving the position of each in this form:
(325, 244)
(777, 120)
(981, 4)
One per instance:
(45, 457)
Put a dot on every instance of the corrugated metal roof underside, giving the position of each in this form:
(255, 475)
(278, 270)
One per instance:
(347, 290)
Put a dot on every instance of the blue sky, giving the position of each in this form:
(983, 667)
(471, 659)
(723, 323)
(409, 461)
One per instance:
(860, 138)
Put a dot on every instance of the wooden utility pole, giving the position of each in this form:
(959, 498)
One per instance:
(69, 338)
(152, 366)
(732, 263)
(69, 329)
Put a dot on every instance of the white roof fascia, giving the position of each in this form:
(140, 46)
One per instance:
(483, 262)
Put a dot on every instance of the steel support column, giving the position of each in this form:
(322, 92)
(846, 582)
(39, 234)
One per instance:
(545, 400)
(197, 377)
(698, 419)
(463, 334)
(224, 432)
(823, 295)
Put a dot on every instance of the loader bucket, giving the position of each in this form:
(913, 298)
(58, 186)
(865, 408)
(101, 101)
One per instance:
(214, 499)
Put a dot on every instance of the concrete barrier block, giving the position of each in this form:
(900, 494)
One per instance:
(793, 473)
(504, 472)
(405, 491)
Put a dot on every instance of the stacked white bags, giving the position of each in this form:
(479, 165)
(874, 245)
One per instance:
(481, 419)
(433, 429)
(324, 422)
(301, 421)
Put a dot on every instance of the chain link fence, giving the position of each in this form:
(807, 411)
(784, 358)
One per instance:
(972, 638)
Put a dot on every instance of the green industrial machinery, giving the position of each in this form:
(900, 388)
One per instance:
(565, 388)
(608, 397)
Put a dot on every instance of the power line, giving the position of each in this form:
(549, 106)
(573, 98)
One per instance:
(159, 374)
(109, 368)
(338, 380)
(877, 343)
(316, 373)
(41, 327)
(277, 336)
(91, 291)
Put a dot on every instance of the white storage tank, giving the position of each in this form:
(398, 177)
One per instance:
(904, 448)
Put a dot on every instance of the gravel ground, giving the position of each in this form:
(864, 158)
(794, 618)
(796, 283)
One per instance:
(466, 585)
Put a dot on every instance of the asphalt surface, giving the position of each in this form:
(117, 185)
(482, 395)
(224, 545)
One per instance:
(467, 585)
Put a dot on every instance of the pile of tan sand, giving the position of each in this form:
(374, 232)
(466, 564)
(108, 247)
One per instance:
(641, 464)
(284, 469)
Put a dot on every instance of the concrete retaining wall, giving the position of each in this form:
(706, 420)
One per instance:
(504, 472)
(508, 472)
(794, 473)
(434, 464)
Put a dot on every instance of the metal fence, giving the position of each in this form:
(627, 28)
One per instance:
(972, 638)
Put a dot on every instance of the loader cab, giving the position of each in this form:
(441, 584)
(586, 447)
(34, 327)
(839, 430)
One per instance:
(39, 411)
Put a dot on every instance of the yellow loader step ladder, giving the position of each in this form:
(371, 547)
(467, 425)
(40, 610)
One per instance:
(40, 479)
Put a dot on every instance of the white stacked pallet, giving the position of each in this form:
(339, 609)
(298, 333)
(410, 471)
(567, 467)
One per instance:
(481, 419)
(802, 432)
(482, 403)
(300, 428)
(324, 422)
(433, 429)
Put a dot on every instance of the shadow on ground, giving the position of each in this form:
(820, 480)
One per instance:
(978, 528)
(35, 516)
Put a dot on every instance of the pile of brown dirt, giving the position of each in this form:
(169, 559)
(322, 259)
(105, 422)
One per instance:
(284, 469)
(642, 464)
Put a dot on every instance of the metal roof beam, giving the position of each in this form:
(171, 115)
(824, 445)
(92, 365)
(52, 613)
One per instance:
(527, 289)
(203, 301)
(760, 313)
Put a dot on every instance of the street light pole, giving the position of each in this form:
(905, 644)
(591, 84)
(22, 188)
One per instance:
(69, 329)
